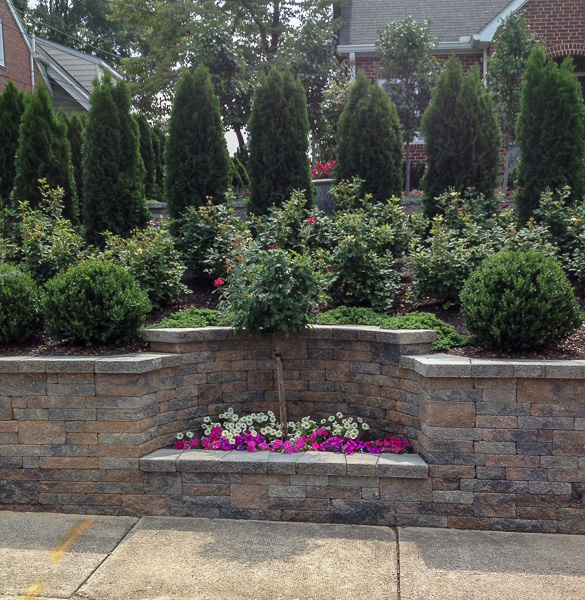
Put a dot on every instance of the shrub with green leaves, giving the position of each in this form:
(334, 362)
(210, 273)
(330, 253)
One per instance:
(520, 301)
(447, 337)
(20, 316)
(150, 256)
(95, 302)
(270, 291)
(193, 317)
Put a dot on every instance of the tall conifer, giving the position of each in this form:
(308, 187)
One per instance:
(11, 110)
(196, 156)
(278, 129)
(147, 155)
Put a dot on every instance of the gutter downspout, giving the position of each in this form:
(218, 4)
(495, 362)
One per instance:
(32, 61)
(485, 65)
(352, 70)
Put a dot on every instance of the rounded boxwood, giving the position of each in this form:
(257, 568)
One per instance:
(20, 316)
(95, 302)
(520, 301)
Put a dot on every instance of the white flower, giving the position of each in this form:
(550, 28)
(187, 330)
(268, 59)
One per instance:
(190, 435)
(323, 421)
(230, 410)
(206, 420)
(339, 415)
(232, 441)
(278, 434)
(353, 435)
(331, 419)
(180, 436)
(360, 420)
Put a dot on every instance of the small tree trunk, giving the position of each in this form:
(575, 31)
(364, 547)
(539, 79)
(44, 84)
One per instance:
(407, 178)
(506, 169)
(281, 393)
(240, 136)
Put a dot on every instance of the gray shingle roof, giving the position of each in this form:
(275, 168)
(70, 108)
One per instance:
(451, 19)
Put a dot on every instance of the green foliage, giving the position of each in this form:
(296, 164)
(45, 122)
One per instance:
(270, 291)
(43, 153)
(462, 137)
(19, 305)
(512, 44)
(520, 301)
(192, 317)
(11, 111)
(278, 128)
(196, 157)
(158, 147)
(370, 141)
(146, 149)
(335, 96)
(550, 132)
(447, 337)
(460, 239)
(151, 258)
(75, 129)
(204, 236)
(113, 171)
(408, 67)
(95, 302)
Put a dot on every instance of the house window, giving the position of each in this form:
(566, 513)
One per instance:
(1, 46)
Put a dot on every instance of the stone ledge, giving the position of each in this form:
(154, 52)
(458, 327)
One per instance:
(408, 466)
(449, 366)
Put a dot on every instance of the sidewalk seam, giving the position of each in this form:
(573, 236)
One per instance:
(398, 590)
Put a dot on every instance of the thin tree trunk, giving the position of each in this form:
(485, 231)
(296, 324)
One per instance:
(506, 170)
(240, 136)
(281, 393)
(407, 178)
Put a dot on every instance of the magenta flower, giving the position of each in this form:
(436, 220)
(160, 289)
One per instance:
(218, 282)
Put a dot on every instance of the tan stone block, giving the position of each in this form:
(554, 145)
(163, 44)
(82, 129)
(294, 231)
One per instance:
(232, 354)
(42, 432)
(261, 380)
(499, 383)
(512, 460)
(551, 391)
(122, 384)
(294, 348)
(105, 499)
(6, 408)
(247, 496)
(67, 487)
(498, 422)
(68, 462)
(143, 505)
(569, 443)
(410, 490)
(9, 426)
(452, 471)
(206, 489)
(495, 505)
(264, 479)
(444, 383)
(500, 395)
(447, 414)
(85, 439)
(125, 475)
(75, 378)
(468, 523)
(337, 370)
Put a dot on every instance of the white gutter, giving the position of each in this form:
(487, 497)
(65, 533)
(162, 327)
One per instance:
(32, 61)
(463, 45)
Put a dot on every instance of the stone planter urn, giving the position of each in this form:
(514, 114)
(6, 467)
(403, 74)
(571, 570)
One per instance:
(325, 199)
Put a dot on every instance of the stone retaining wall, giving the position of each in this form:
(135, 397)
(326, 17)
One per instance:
(504, 440)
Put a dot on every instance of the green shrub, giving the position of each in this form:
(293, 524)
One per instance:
(150, 256)
(192, 317)
(19, 305)
(447, 337)
(270, 291)
(95, 302)
(520, 301)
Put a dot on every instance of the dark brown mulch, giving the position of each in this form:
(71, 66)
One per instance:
(203, 296)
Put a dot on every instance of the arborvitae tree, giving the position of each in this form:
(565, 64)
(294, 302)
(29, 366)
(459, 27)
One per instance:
(196, 157)
(147, 155)
(11, 110)
(462, 137)
(75, 127)
(112, 168)
(43, 153)
(550, 132)
(370, 141)
(278, 140)
(158, 146)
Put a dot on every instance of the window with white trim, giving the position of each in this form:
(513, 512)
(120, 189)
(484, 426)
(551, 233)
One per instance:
(1, 46)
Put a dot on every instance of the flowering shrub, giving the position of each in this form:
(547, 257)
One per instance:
(261, 432)
(323, 170)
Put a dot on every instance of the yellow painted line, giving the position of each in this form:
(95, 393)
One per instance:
(56, 554)
(33, 591)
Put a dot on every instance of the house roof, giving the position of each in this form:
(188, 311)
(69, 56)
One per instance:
(456, 23)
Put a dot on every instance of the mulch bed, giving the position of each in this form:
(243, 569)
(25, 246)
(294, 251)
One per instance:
(203, 296)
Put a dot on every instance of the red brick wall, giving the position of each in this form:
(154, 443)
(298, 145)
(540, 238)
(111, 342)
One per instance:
(16, 53)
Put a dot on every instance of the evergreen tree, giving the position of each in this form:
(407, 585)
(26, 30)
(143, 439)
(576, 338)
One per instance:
(11, 110)
(147, 155)
(278, 130)
(75, 128)
(196, 158)
(112, 168)
(462, 137)
(370, 141)
(550, 132)
(43, 153)
(158, 146)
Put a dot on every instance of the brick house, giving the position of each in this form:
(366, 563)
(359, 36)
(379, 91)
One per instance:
(465, 28)
(26, 60)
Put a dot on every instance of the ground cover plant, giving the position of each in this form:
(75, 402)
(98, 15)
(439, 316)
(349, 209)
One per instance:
(261, 432)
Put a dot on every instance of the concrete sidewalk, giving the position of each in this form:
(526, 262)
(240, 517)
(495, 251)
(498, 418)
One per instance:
(51, 556)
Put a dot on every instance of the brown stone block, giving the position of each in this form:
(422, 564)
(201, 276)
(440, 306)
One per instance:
(125, 475)
(337, 370)
(446, 484)
(447, 383)
(545, 436)
(572, 520)
(75, 378)
(122, 384)
(67, 487)
(142, 505)
(447, 414)
(496, 383)
(194, 379)
(548, 513)
(233, 354)
(9, 426)
(259, 381)
(84, 439)
(570, 475)
(569, 443)
(438, 445)
(42, 432)
(279, 503)
(405, 489)
(306, 516)
(446, 509)
(349, 355)
(496, 422)
(502, 506)
(476, 523)
(210, 393)
(500, 396)
(392, 371)
(408, 386)
(294, 348)
(326, 491)
(558, 410)
(233, 387)
(68, 462)
(104, 500)
(452, 471)
(514, 474)
(206, 489)
(407, 508)
(247, 496)
(512, 460)
(264, 479)
(551, 391)
(546, 500)
(5, 409)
